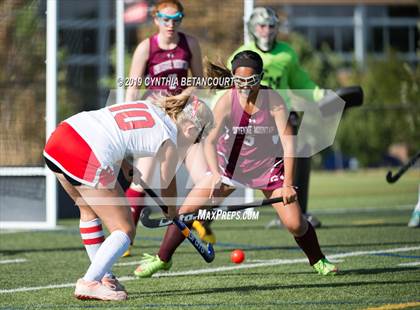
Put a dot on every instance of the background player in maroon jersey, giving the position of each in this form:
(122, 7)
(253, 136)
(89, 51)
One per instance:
(165, 58)
(242, 151)
(168, 53)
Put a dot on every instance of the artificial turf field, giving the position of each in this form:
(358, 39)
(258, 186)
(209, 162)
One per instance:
(364, 230)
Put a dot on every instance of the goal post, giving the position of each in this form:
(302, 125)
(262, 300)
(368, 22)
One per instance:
(28, 194)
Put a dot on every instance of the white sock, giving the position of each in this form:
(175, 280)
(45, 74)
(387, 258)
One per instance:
(111, 249)
(417, 208)
(92, 237)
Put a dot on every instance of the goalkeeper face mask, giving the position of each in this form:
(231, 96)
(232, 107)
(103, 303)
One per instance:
(263, 26)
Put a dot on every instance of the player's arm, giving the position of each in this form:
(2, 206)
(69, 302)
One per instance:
(220, 112)
(280, 114)
(196, 60)
(168, 157)
(137, 69)
(298, 78)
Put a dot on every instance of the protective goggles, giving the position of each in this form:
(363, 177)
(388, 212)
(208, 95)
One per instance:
(250, 81)
(165, 19)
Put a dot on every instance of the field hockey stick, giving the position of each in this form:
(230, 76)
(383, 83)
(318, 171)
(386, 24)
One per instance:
(206, 252)
(394, 178)
(188, 217)
(352, 97)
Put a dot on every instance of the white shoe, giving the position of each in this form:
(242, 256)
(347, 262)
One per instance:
(97, 290)
(113, 284)
(274, 223)
(414, 220)
(313, 220)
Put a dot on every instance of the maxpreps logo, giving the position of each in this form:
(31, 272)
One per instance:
(249, 215)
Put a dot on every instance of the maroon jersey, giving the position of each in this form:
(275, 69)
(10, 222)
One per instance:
(250, 150)
(165, 68)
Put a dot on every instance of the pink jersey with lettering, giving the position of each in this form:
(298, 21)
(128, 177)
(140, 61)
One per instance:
(250, 151)
(166, 68)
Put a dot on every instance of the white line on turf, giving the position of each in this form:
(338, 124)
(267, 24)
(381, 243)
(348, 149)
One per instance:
(333, 260)
(13, 261)
(128, 263)
(37, 288)
(271, 262)
(316, 211)
(11, 231)
(361, 209)
(409, 264)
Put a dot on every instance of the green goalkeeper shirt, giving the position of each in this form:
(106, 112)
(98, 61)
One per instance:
(282, 71)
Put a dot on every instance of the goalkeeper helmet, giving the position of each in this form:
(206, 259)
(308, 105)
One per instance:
(264, 17)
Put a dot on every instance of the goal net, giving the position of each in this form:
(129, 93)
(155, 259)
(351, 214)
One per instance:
(27, 189)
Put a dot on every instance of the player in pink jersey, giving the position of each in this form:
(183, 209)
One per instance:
(85, 152)
(252, 146)
(165, 58)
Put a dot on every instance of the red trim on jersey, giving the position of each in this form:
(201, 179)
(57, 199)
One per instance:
(88, 230)
(128, 106)
(68, 149)
(93, 240)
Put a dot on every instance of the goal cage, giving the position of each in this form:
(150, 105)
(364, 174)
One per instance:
(28, 191)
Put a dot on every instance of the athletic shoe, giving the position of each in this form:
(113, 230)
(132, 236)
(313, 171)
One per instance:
(313, 220)
(414, 220)
(150, 264)
(204, 232)
(113, 284)
(274, 223)
(128, 252)
(325, 268)
(97, 290)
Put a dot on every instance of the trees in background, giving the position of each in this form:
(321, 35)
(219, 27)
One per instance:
(391, 112)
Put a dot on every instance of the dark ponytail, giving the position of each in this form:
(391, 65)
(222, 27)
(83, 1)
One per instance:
(242, 59)
(217, 70)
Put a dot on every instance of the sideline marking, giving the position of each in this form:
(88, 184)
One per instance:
(396, 306)
(272, 262)
(13, 261)
(410, 264)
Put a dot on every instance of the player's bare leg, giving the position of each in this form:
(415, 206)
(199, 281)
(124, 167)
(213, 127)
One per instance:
(303, 232)
(104, 285)
(197, 168)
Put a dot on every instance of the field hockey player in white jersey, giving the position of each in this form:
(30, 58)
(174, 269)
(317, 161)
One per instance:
(85, 152)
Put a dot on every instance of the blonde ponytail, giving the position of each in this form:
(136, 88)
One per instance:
(188, 107)
(173, 105)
